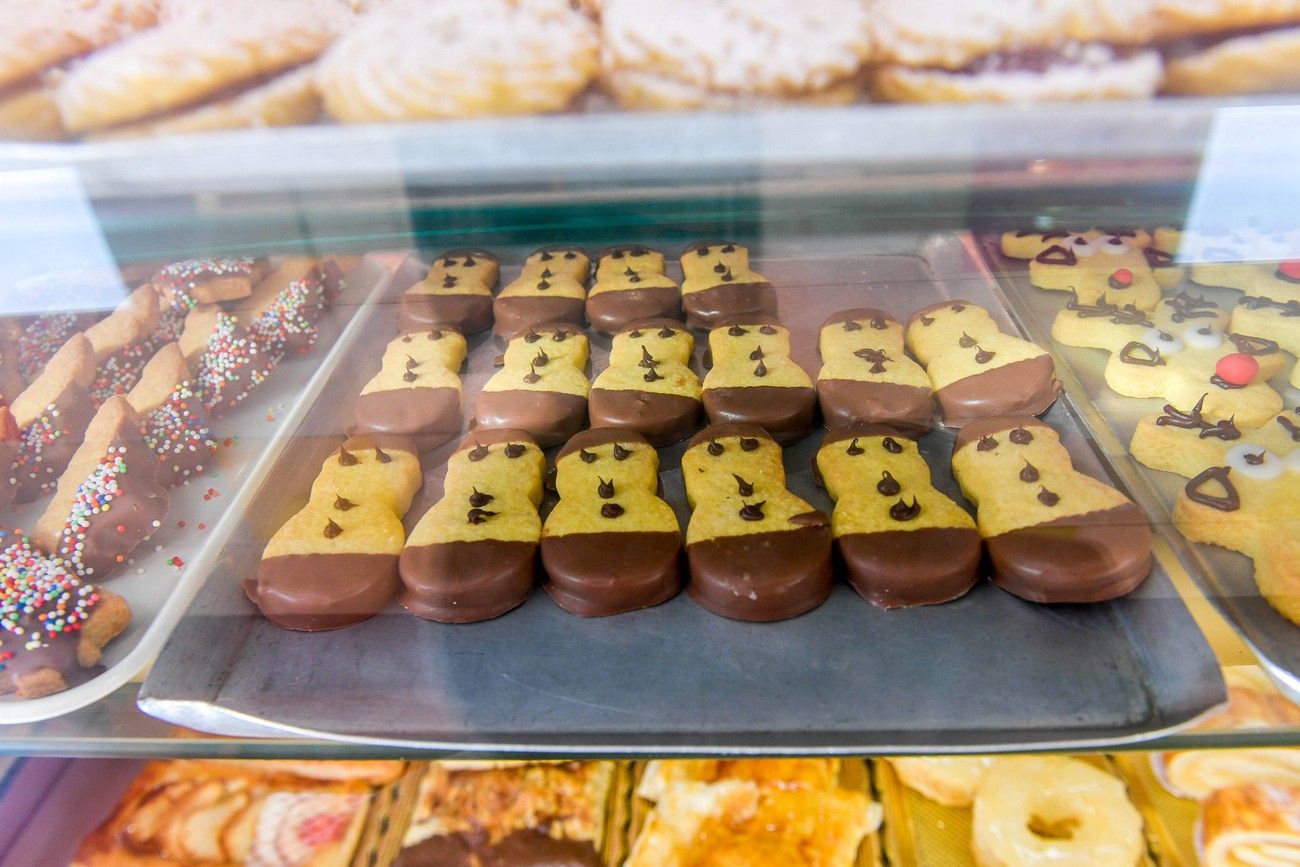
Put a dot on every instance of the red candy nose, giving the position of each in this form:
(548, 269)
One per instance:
(1122, 278)
(1289, 270)
(1237, 368)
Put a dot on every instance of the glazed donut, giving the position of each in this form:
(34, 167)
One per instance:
(947, 780)
(1054, 810)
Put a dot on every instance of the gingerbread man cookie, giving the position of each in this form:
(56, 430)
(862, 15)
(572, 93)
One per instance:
(174, 420)
(649, 386)
(541, 387)
(52, 415)
(718, 284)
(1052, 533)
(631, 286)
(1273, 321)
(334, 563)
(283, 310)
(867, 376)
(976, 369)
(1095, 266)
(417, 392)
(756, 551)
(902, 541)
(611, 544)
(473, 555)
(457, 292)
(754, 381)
(551, 287)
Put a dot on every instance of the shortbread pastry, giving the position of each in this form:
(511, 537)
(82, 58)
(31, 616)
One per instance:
(541, 387)
(947, 780)
(457, 292)
(551, 287)
(661, 775)
(172, 417)
(754, 381)
(867, 376)
(649, 386)
(631, 286)
(417, 391)
(51, 415)
(718, 285)
(1249, 824)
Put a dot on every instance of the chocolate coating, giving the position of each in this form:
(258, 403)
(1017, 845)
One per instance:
(662, 418)
(763, 576)
(597, 574)
(786, 413)
(610, 312)
(112, 535)
(430, 416)
(1083, 558)
(708, 308)
(899, 568)
(316, 592)
(523, 848)
(908, 409)
(516, 313)
(36, 478)
(468, 314)
(464, 582)
(1027, 387)
(550, 417)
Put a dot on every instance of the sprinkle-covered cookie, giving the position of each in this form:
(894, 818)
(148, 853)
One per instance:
(551, 287)
(44, 336)
(456, 292)
(284, 307)
(649, 386)
(753, 380)
(631, 286)
(172, 417)
(867, 376)
(417, 391)
(718, 285)
(232, 362)
(10, 441)
(541, 387)
(52, 415)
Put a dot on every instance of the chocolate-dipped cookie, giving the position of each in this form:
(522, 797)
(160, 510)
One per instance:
(1052, 533)
(123, 343)
(334, 563)
(208, 281)
(10, 442)
(631, 286)
(867, 376)
(551, 287)
(52, 415)
(976, 369)
(473, 555)
(1101, 265)
(42, 337)
(232, 362)
(902, 541)
(173, 419)
(283, 310)
(108, 499)
(11, 378)
(717, 284)
(541, 387)
(611, 544)
(648, 385)
(457, 292)
(753, 380)
(417, 392)
(756, 551)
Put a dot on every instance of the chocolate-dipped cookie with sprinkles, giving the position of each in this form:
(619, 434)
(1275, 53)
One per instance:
(123, 343)
(1053, 534)
(53, 625)
(976, 369)
(473, 555)
(631, 286)
(231, 363)
(52, 415)
(754, 381)
(334, 562)
(756, 551)
(45, 335)
(718, 284)
(611, 544)
(649, 386)
(417, 391)
(541, 387)
(902, 541)
(283, 309)
(456, 292)
(108, 499)
(172, 417)
(867, 376)
(551, 287)
(182, 286)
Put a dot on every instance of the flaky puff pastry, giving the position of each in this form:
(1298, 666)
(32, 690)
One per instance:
(36, 34)
(814, 774)
(1253, 825)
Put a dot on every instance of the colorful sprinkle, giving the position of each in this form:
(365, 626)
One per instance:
(94, 496)
(232, 365)
(40, 599)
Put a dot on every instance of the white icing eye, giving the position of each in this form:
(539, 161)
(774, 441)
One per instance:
(1293, 461)
(1255, 462)
(1114, 245)
(1162, 340)
(1082, 246)
(1203, 336)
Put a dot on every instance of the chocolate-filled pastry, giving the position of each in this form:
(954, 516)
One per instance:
(631, 286)
(610, 545)
(52, 415)
(541, 387)
(753, 380)
(334, 563)
(173, 419)
(473, 554)
(123, 342)
(902, 541)
(977, 370)
(649, 386)
(1052, 533)
(717, 284)
(756, 551)
(229, 362)
(457, 292)
(551, 287)
(108, 500)
(417, 392)
(867, 376)
(53, 626)
(283, 310)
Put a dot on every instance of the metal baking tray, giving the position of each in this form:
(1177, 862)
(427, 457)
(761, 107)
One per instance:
(1225, 577)
(988, 672)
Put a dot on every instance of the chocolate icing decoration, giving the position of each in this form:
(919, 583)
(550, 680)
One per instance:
(756, 354)
(1021, 437)
(748, 444)
(647, 360)
(888, 486)
(543, 285)
(927, 320)
(343, 504)
(850, 325)
(479, 516)
(1057, 254)
(1254, 459)
(1222, 430)
(1186, 307)
(983, 356)
(876, 357)
(532, 376)
(586, 457)
(653, 375)
(1230, 501)
(878, 323)
(531, 336)
(1029, 473)
(716, 305)
(1290, 427)
(478, 499)
(1158, 259)
(924, 566)
(1047, 498)
(728, 276)
(752, 511)
(766, 329)
(605, 489)
(744, 488)
(666, 332)
(891, 445)
(1248, 345)
(514, 450)
(546, 272)
(785, 412)
(1126, 315)
(763, 576)
(430, 416)
(347, 459)
(410, 376)
(406, 338)
(900, 511)
(332, 530)
(611, 312)
(611, 510)
(965, 341)
(541, 359)
(478, 453)
(1253, 302)
(559, 335)
(715, 448)
(448, 282)
(1137, 352)
(620, 453)
(908, 409)
(1222, 383)
(986, 444)
(435, 334)
(760, 369)
(736, 331)
(382, 456)
(719, 268)
(855, 449)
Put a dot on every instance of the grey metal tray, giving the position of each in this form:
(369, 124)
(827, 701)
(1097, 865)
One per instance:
(1225, 577)
(988, 672)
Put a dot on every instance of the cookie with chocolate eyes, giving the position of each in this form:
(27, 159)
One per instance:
(1027, 243)
(473, 555)
(417, 391)
(541, 387)
(867, 376)
(457, 292)
(717, 285)
(52, 415)
(756, 550)
(902, 541)
(1052, 533)
(551, 287)
(649, 386)
(631, 286)
(754, 381)
(1098, 266)
(611, 544)
(975, 368)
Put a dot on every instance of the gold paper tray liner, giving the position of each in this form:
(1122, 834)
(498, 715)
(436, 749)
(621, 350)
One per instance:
(1170, 820)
